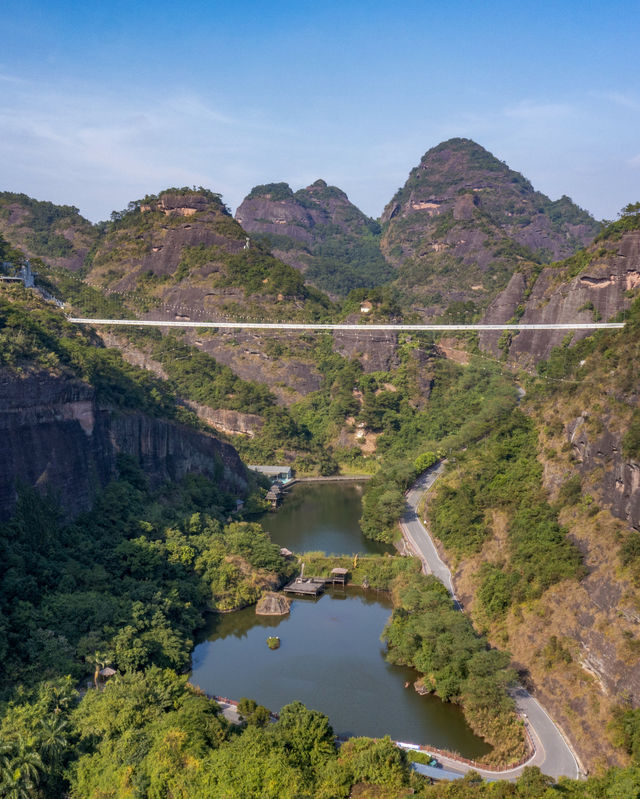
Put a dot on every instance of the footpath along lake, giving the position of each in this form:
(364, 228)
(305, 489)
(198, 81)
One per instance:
(331, 657)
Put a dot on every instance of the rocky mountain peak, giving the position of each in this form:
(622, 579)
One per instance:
(184, 203)
(177, 202)
(319, 231)
(270, 191)
(275, 209)
(464, 222)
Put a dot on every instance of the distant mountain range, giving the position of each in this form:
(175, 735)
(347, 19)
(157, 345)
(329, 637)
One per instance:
(446, 244)
(450, 238)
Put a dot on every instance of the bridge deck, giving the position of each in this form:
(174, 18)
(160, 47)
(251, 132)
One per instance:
(352, 328)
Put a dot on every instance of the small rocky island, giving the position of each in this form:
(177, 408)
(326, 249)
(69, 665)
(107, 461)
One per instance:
(272, 604)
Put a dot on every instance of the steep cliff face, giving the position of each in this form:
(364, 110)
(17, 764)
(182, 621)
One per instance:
(580, 643)
(57, 437)
(376, 351)
(597, 450)
(592, 286)
(463, 222)
(319, 231)
(575, 645)
(56, 233)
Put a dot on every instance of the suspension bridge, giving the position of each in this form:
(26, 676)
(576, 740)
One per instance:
(366, 328)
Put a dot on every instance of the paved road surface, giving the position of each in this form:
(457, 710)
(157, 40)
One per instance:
(552, 753)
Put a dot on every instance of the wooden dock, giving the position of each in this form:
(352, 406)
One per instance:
(314, 586)
(305, 586)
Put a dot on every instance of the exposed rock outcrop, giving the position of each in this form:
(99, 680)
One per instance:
(233, 423)
(319, 231)
(618, 477)
(597, 292)
(273, 605)
(57, 438)
(463, 222)
(152, 238)
(290, 376)
(376, 350)
(303, 216)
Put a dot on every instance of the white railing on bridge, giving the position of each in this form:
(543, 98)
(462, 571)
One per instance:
(353, 328)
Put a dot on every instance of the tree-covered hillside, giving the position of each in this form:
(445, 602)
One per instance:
(44, 230)
(318, 231)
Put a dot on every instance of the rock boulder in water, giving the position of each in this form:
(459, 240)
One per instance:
(273, 605)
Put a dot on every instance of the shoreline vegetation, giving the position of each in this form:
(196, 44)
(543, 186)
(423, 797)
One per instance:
(427, 632)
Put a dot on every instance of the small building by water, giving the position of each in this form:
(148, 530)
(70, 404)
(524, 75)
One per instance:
(338, 576)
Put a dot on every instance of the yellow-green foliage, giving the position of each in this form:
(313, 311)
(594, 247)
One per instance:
(502, 472)
(132, 577)
(379, 571)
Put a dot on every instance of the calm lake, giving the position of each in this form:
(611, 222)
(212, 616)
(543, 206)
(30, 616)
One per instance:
(322, 517)
(331, 657)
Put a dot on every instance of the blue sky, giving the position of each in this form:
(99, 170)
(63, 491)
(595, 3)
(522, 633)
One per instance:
(102, 103)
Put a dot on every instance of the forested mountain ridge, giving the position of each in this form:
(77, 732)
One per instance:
(554, 575)
(464, 222)
(183, 250)
(317, 230)
(574, 640)
(57, 233)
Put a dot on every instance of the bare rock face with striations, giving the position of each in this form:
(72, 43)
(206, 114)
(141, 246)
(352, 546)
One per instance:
(305, 216)
(57, 438)
(159, 242)
(601, 452)
(463, 221)
(557, 295)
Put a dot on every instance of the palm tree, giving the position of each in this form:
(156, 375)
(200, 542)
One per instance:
(53, 739)
(7, 750)
(100, 661)
(15, 786)
(27, 760)
(20, 768)
(61, 695)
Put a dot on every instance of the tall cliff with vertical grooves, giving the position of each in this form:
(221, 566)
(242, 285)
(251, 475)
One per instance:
(69, 407)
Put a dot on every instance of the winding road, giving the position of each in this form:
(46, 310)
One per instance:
(552, 754)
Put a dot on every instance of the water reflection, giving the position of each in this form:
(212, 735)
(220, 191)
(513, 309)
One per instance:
(330, 658)
(321, 516)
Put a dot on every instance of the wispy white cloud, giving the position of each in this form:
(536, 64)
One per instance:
(99, 148)
(621, 99)
(6, 77)
(97, 140)
(532, 110)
